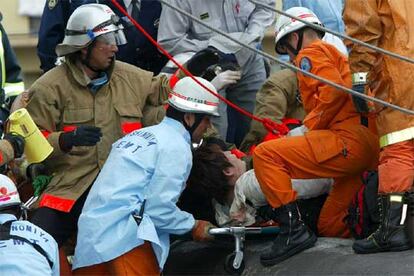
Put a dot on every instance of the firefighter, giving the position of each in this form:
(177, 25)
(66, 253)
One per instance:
(131, 210)
(83, 106)
(388, 25)
(337, 143)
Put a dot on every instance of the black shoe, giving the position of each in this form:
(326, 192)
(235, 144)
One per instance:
(391, 235)
(293, 238)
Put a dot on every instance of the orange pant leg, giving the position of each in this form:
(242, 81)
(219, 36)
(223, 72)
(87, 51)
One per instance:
(139, 261)
(396, 168)
(331, 221)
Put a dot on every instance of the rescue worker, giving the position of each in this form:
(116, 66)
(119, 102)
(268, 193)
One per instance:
(25, 249)
(11, 80)
(337, 144)
(131, 209)
(138, 51)
(279, 97)
(388, 25)
(83, 106)
(178, 33)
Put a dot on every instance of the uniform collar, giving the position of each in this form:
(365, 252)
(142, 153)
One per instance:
(6, 217)
(80, 76)
(179, 127)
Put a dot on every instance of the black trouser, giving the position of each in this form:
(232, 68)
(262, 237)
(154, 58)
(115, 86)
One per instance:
(60, 225)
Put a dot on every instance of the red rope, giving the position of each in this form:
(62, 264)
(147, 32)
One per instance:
(267, 123)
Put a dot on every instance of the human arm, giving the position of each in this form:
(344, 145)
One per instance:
(322, 102)
(174, 28)
(363, 23)
(13, 82)
(260, 19)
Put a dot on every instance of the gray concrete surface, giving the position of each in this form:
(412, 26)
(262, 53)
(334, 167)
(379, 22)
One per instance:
(329, 257)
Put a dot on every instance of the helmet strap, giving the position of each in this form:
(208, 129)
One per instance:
(86, 60)
(198, 118)
(300, 42)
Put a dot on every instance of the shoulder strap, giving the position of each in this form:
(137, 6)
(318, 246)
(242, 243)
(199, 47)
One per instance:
(5, 235)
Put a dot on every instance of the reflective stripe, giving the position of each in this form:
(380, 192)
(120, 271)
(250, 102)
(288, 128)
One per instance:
(129, 127)
(57, 203)
(396, 137)
(13, 89)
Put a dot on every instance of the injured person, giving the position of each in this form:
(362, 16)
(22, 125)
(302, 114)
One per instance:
(234, 191)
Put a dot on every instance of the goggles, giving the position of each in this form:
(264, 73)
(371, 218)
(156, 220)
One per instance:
(113, 38)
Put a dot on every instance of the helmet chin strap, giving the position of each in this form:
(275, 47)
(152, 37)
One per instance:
(86, 60)
(198, 118)
(299, 46)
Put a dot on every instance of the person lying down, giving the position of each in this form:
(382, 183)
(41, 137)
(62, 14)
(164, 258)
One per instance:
(234, 191)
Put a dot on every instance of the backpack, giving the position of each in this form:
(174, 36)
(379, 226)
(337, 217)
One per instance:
(363, 213)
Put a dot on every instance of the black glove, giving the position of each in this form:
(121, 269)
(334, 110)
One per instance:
(34, 170)
(81, 136)
(202, 60)
(17, 143)
(266, 213)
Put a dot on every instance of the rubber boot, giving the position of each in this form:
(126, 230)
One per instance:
(391, 235)
(294, 236)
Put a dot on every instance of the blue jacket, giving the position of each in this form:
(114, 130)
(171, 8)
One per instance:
(153, 164)
(138, 51)
(328, 11)
(19, 258)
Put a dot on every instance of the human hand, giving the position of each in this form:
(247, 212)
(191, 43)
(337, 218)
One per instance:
(200, 231)
(226, 78)
(81, 136)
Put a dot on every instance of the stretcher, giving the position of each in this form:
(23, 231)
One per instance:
(234, 263)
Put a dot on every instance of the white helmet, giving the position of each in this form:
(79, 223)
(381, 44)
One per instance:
(286, 25)
(88, 22)
(189, 96)
(8, 193)
(170, 68)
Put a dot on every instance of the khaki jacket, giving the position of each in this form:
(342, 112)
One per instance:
(6, 152)
(389, 25)
(60, 99)
(277, 99)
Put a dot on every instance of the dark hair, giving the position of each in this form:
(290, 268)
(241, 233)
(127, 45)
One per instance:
(209, 162)
(175, 114)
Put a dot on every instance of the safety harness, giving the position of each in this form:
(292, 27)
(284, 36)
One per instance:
(5, 235)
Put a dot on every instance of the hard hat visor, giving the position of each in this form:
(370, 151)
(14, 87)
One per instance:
(113, 38)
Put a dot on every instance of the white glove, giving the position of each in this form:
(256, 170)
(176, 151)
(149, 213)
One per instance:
(226, 78)
(298, 131)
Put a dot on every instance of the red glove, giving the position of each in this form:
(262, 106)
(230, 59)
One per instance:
(200, 231)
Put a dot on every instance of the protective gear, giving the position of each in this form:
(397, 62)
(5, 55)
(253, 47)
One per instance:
(189, 96)
(86, 24)
(391, 234)
(201, 60)
(161, 162)
(294, 236)
(286, 25)
(17, 142)
(9, 196)
(200, 231)
(226, 78)
(80, 136)
(334, 132)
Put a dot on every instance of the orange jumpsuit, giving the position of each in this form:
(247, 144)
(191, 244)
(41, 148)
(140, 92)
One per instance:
(336, 146)
(388, 25)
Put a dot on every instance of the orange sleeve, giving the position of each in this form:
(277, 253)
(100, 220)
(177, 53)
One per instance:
(363, 23)
(321, 101)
